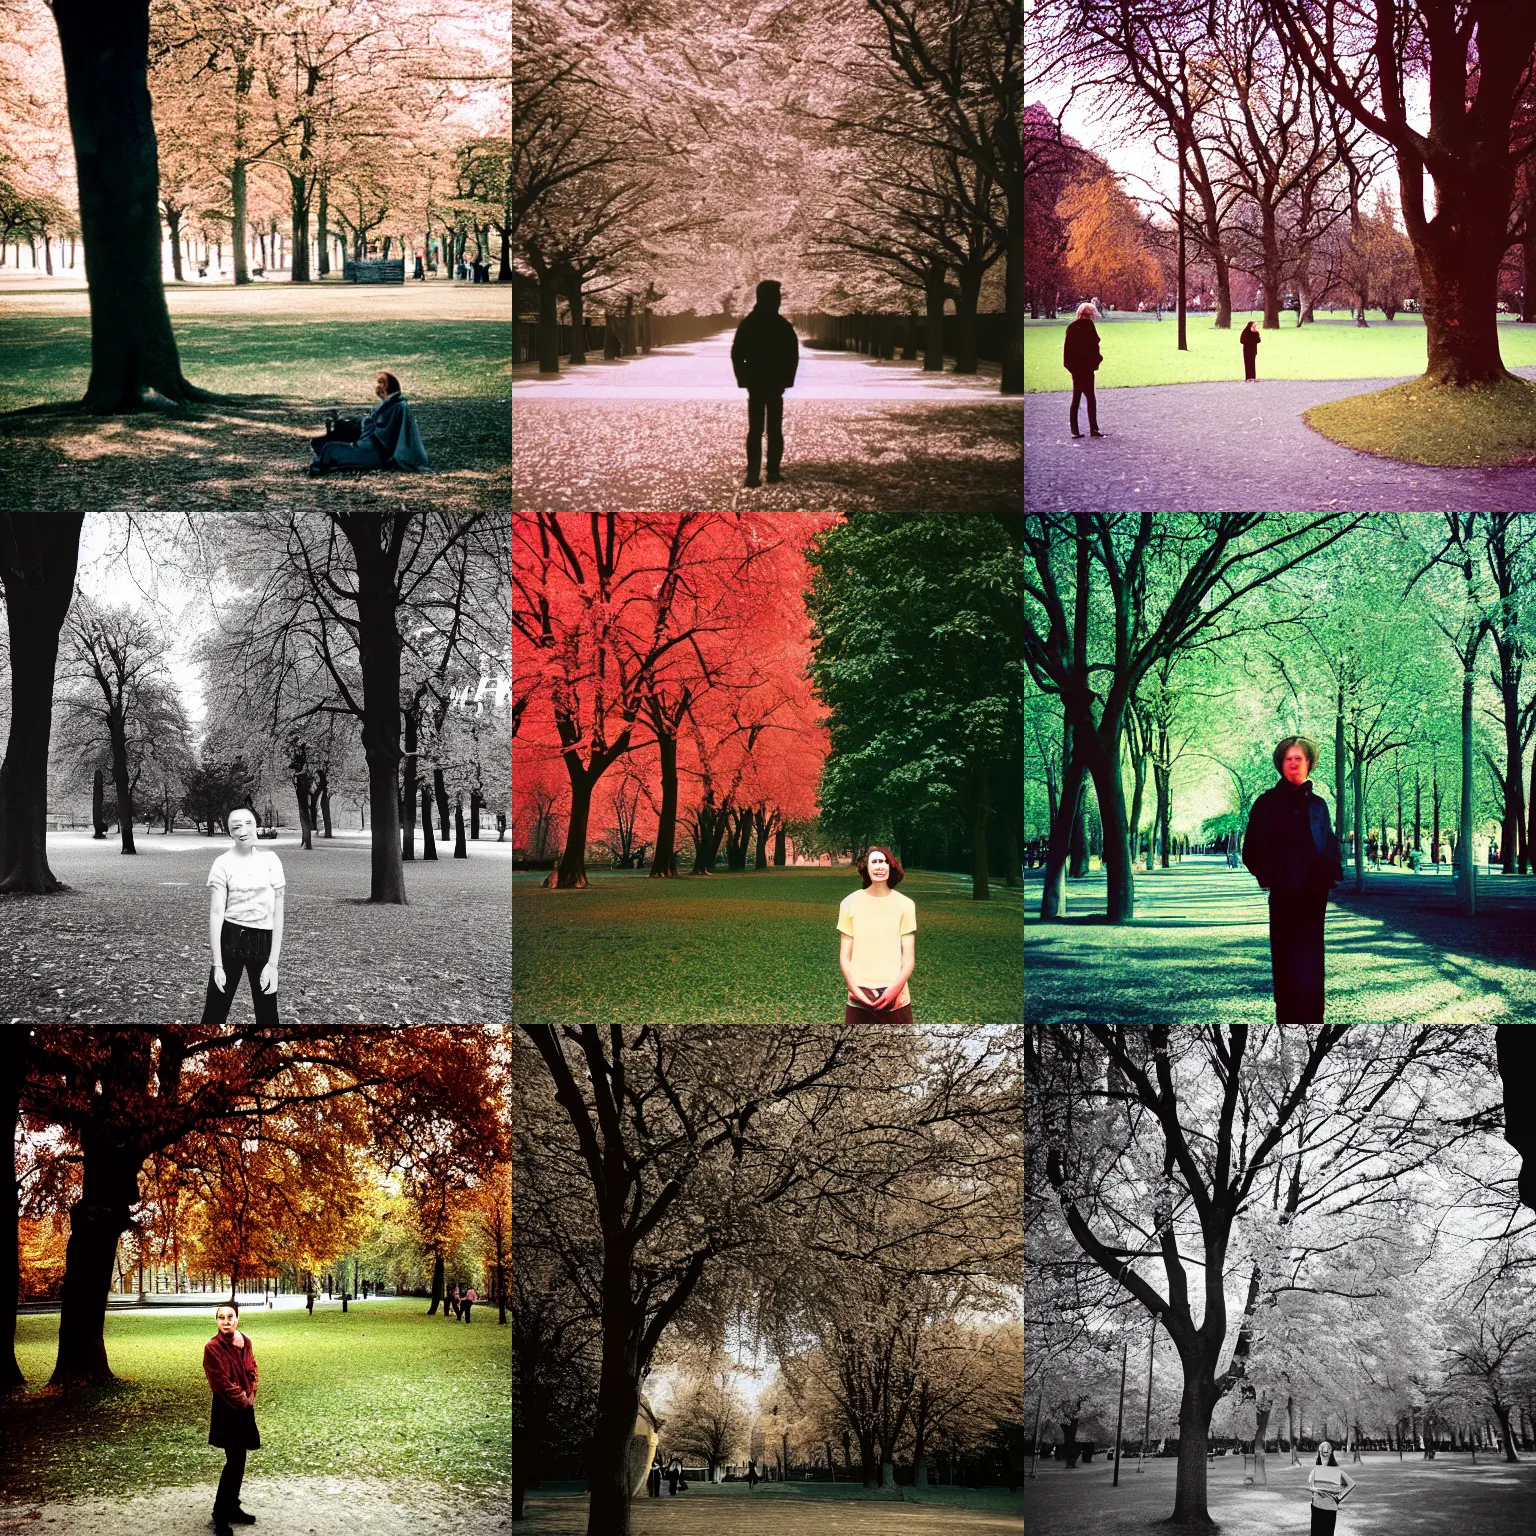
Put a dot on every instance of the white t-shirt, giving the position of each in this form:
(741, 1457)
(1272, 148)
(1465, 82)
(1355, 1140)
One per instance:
(250, 882)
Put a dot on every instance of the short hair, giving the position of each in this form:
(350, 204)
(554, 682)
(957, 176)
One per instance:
(392, 382)
(1084, 310)
(234, 1307)
(768, 289)
(895, 876)
(1306, 744)
(240, 810)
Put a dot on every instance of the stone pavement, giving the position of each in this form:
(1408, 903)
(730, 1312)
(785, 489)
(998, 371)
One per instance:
(1223, 447)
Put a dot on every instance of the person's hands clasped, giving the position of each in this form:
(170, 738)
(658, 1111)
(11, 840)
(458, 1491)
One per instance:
(269, 978)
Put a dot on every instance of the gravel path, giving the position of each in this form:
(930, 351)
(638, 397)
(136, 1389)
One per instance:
(296, 1506)
(1224, 448)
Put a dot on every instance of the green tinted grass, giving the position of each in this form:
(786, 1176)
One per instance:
(753, 948)
(383, 1391)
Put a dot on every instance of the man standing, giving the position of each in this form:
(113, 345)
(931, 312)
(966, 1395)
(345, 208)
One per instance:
(765, 355)
(1080, 356)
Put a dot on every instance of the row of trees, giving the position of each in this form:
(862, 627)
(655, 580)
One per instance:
(848, 1199)
(257, 1149)
(378, 623)
(1396, 645)
(1363, 1261)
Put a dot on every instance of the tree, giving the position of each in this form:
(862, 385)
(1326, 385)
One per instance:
(1476, 58)
(133, 349)
(1106, 254)
(39, 552)
(708, 1417)
(1491, 1351)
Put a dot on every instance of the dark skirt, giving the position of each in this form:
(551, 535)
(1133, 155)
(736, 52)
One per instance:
(232, 1428)
(1323, 1521)
(1296, 954)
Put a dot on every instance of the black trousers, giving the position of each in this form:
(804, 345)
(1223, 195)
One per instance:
(227, 1501)
(246, 949)
(1296, 954)
(1250, 363)
(1323, 1521)
(764, 407)
(1082, 385)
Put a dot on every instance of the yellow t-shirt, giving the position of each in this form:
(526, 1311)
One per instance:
(876, 924)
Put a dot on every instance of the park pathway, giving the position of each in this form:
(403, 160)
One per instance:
(667, 432)
(1226, 448)
(1198, 951)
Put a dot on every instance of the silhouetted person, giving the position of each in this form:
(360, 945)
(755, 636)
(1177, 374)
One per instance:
(765, 355)
(1250, 340)
(1080, 356)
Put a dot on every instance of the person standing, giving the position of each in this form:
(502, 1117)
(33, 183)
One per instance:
(245, 922)
(765, 354)
(1249, 341)
(878, 947)
(470, 1298)
(1292, 852)
(1330, 1485)
(229, 1363)
(673, 1468)
(1081, 356)
(309, 1300)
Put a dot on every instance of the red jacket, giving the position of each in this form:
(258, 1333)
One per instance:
(231, 1372)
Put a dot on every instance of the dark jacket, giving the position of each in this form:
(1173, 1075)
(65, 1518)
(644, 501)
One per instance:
(382, 425)
(1290, 846)
(231, 1374)
(1249, 339)
(766, 352)
(1080, 348)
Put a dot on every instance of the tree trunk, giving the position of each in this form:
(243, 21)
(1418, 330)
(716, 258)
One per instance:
(173, 225)
(1053, 896)
(119, 740)
(239, 234)
(1077, 842)
(459, 850)
(298, 211)
(13, 1059)
(574, 297)
(1359, 810)
(440, 794)
(104, 1211)
(301, 782)
(663, 863)
(1458, 254)
(428, 842)
(1104, 764)
(133, 349)
(548, 329)
(99, 807)
(1013, 290)
(437, 1284)
(572, 872)
(1189, 1501)
(967, 296)
(322, 230)
(39, 552)
(412, 717)
(933, 300)
(618, 1401)
(1467, 888)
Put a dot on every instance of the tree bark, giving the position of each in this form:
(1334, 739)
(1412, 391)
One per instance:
(440, 793)
(133, 349)
(99, 807)
(1189, 1499)
(459, 850)
(548, 329)
(1467, 875)
(119, 739)
(428, 842)
(663, 862)
(13, 1056)
(39, 552)
(933, 301)
(437, 1284)
(1013, 290)
(574, 297)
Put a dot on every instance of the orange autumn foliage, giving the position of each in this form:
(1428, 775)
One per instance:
(1107, 255)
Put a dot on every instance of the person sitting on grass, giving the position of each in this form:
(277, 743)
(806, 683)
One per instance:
(386, 438)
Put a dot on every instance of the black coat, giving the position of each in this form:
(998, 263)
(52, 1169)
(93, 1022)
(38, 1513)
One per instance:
(1080, 347)
(1290, 846)
(766, 352)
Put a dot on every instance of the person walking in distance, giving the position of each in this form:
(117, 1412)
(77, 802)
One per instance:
(1249, 341)
(470, 1298)
(1081, 356)
(765, 355)
(229, 1363)
(1330, 1485)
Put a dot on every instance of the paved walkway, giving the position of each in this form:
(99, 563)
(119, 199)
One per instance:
(1198, 951)
(668, 433)
(701, 370)
(1227, 448)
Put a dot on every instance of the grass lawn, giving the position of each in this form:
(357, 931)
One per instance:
(753, 948)
(281, 356)
(1477, 426)
(793, 1508)
(383, 1391)
(1139, 350)
(1444, 1497)
(143, 922)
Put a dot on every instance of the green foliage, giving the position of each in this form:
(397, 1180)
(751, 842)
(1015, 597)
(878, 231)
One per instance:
(918, 646)
(747, 949)
(381, 1389)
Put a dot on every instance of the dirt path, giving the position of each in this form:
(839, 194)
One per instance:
(295, 1506)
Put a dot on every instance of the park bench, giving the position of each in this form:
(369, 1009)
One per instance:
(374, 271)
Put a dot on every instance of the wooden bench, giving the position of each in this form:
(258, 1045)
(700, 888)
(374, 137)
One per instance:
(374, 271)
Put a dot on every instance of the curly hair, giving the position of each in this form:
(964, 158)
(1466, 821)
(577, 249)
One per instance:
(893, 880)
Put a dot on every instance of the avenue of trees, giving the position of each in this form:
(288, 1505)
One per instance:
(846, 1200)
(1171, 652)
(1279, 114)
(355, 653)
(283, 135)
(244, 1154)
(1316, 1231)
(674, 673)
(895, 178)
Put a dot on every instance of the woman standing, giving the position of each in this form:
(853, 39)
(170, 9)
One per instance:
(1293, 854)
(245, 922)
(1249, 341)
(229, 1363)
(1330, 1485)
(878, 948)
